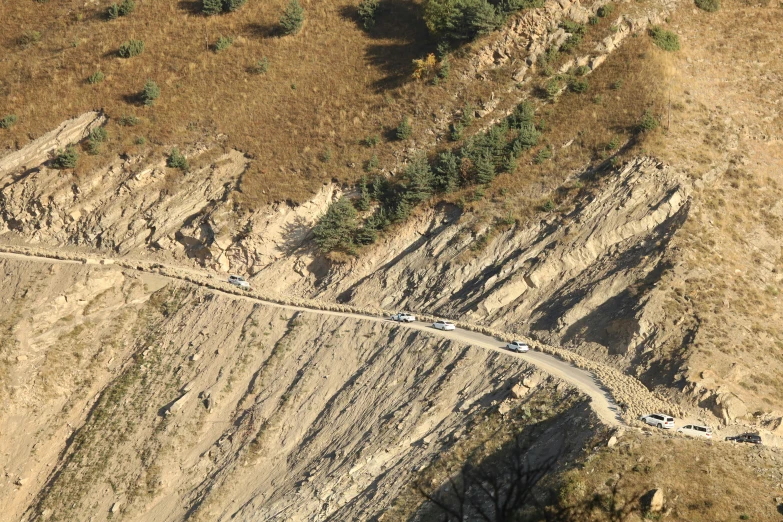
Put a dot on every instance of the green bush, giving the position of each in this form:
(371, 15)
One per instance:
(261, 66)
(710, 6)
(125, 8)
(616, 85)
(548, 206)
(605, 10)
(648, 122)
(128, 121)
(150, 93)
(224, 42)
(65, 158)
(293, 18)
(666, 40)
(582, 70)
(140, 140)
(29, 38)
(457, 130)
(367, 11)
(335, 229)
(461, 19)
(578, 86)
(444, 68)
(371, 141)
(552, 88)
(177, 160)
(404, 129)
(96, 77)
(131, 48)
(365, 198)
(211, 7)
(543, 155)
(372, 163)
(7, 121)
(593, 20)
(97, 136)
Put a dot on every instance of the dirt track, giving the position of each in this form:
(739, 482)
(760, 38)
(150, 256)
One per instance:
(602, 399)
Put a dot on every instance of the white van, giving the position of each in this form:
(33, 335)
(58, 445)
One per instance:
(694, 430)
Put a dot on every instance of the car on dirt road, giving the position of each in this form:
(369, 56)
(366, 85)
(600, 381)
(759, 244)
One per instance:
(239, 281)
(403, 317)
(518, 346)
(658, 420)
(443, 325)
(750, 438)
(695, 430)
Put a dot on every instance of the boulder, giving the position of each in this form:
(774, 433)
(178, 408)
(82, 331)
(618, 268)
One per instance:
(729, 407)
(519, 390)
(612, 442)
(652, 501)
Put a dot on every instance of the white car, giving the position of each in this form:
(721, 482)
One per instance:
(694, 430)
(658, 419)
(239, 281)
(518, 346)
(403, 317)
(443, 325)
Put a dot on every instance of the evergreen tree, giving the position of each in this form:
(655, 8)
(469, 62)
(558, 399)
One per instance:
(211, 7)
(335, 229)
(485, 167)
(447, 172)
(420, 180)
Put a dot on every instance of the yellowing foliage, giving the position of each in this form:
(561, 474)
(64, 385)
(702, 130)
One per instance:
(424, 66)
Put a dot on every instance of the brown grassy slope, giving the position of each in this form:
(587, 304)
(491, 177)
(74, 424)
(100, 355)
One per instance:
(326, 88)
(727, 133)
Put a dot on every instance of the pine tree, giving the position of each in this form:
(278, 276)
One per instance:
(485, 168)
(420, 180)
(335, 229)
(211, 7)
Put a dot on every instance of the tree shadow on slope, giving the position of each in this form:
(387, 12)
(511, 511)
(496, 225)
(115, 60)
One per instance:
(401, 36)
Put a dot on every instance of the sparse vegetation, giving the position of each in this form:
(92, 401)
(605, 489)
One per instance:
(8, 121)
(223, 43)
(131, 48)
(711, 6)
(605, 10)
(367, 12)
(30, 38)
(666, 40)
(125, 8)
(150, 93)
(97, 136)
(128, 120)
(293, 18)
(261, 66)
(177, 160)
(96, 77)
(404, 129)
(65, 158)
(648, 122)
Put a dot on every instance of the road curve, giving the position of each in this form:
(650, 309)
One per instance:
(586, 382)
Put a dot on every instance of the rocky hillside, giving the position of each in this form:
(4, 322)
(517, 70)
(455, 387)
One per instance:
(150, 402)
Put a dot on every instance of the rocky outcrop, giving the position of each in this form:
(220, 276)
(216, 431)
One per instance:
(40, 150)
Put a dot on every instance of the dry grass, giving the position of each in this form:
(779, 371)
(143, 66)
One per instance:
(701, 481)
(326, 88)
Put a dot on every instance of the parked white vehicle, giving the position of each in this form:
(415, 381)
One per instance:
(403, 317)
(694, 430)
(239, 281)
(518, 346)
(443, 325)
(658, 419)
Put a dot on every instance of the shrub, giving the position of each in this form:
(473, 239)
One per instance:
(97, 136)
(367, 10)
(552, 88)
(710, 6)
(461, 19)
(30, 38)
(150, 93)
(126, 7)
(65, 158)
(224, 42)
(96, 77)
(131, 48)
(578, 86)
(261, 66)
(372, 163)
(232, 5)
(113, 12)
(424, 66)
(605, 10)
(293, 18)
(177, 160)
(593, 20)
(582, 70)
(211, 7)
(548, 206)
(457, 130)
(666, 40)
(613, 144)
(404, 129)
(128, 121)
(140, 140)
(543, 155)
(335, 229)
(616, 85)
(444, 68)
(648, 122)
(371, 141)
(7, 121)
